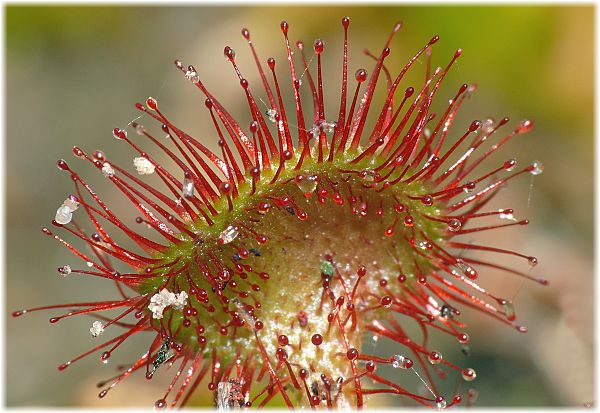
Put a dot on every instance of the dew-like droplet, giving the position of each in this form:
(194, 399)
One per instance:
(510, 165)
(454, 225)
(317, 339)
(229, 53)
(360, 75)
(98, 155)
(188, 187)
(370, 366)
(307, 184)
(192, 75)
(389, 232)
(401, 362)
(469, 187)
(525, 126)
(352, 354)
(434, 357)
(533, 261)
(506, 214)
(63, 366)
(160, 404)
(62, 165)
(281, 354)
(536, 168)
(228, 235)
(463, 338)
(283, 340)
(386, 301)
(104, 357)
(315, 131)
(424, 245)
(488, 124)
(263, 208)
(152, 103)
(427, 200)
(119, 133)
(469, 374)
(467, 270)
(440, 403)
(319, 46)
(328, 127)
(509, 310)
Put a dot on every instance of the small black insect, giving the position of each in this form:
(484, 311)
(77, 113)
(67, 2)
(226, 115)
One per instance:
(161, 355)
(315, 388)
(447, 311)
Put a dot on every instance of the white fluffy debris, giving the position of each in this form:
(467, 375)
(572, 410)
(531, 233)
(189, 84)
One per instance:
(97, 329)
(165, 298)
(143, 166)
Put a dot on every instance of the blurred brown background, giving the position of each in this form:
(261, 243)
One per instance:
(74, 73)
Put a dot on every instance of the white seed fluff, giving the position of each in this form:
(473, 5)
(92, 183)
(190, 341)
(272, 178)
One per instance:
(107, 170)
(97, 329)
(165, 298)
(143, 166)
(180, 300)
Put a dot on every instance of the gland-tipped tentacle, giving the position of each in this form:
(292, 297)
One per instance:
(275, 260)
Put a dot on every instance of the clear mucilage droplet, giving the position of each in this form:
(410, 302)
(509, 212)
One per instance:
(228, 235)
(307, 184)
(328, 127)
(63, 215)
(454, 225)
(401, 362)
(488, 125)
(466, 269)
(315, 131)
(506, 214)
(469, 374)
(368, 176)
(509, 309)
(536, 168)
(188, 188)
(434, 357)
(192, 75)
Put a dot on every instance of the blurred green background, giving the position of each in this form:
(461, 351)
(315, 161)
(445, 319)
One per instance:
(74, 73)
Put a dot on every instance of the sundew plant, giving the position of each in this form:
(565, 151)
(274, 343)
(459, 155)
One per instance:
(258, 272)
